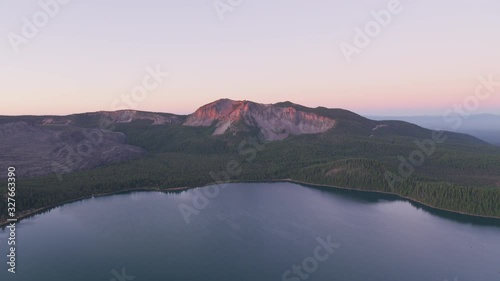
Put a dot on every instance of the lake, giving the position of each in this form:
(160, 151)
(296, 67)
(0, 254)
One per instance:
(253, 231)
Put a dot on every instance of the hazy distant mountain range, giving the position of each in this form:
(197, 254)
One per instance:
(483, 126)
(60, 158)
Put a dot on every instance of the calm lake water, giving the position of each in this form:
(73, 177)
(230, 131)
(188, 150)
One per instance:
(253, 231)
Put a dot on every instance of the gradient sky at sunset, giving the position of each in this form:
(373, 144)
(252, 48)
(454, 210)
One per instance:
(92, 52)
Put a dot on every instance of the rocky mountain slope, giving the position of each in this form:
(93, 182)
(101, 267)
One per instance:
(38, 150)
(273, 122)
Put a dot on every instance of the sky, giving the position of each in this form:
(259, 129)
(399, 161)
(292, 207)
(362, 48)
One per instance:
(423, 58)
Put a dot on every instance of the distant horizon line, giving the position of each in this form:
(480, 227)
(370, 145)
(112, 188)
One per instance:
(263, 103)
(185, 114)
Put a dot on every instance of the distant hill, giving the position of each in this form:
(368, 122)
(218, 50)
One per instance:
(483, 126)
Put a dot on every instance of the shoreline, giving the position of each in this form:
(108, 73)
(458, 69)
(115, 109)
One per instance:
(392, 193)
(34, 212)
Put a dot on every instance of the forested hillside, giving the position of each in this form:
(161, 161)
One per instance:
(460, 175)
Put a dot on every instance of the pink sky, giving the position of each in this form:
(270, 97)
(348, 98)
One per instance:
(92, 53)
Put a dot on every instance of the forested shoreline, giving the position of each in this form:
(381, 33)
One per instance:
(457, 177)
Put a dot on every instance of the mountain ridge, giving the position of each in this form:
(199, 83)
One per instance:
(483, 125)
(273, 122)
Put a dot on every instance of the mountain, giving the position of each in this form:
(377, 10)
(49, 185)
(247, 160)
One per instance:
(61, 158)
(40, 144)
(273, 122)
(281, 120)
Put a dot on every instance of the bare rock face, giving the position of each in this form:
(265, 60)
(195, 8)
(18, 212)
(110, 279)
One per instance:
(273, 122)
(35, 150)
